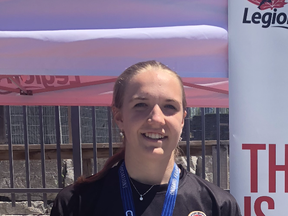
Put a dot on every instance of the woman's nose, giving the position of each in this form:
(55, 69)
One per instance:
(156, 116)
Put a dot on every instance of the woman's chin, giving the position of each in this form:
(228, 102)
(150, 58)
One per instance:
(155, 152)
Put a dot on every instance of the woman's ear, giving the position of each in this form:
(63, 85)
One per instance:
(117, 115)
(183, 120)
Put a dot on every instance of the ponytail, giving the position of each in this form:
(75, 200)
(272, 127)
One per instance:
(109, 164)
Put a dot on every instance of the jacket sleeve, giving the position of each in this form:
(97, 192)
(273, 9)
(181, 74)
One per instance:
(236, 210)
(230, 207)
(66, 203)
(58, 208)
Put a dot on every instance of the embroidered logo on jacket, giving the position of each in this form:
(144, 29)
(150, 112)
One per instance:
(197, 213)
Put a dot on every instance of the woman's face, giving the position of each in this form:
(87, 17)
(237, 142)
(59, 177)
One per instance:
(152, 115)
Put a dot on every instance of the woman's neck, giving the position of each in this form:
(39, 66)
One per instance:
(152, 172)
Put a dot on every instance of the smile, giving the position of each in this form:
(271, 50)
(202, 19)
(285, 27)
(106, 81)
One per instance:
(155, 136)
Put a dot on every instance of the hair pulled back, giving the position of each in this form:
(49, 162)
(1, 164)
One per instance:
(124, 78)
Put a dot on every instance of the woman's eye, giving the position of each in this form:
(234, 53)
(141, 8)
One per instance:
(139, 105)
(169, 106)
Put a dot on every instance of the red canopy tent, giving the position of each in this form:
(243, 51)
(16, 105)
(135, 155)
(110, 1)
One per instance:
(62, 52)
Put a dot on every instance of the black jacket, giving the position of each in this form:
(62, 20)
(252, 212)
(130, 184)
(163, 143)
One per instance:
(103, 198)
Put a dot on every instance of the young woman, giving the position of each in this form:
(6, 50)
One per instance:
(149, 108)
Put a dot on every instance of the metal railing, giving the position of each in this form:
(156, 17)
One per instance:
(77, 147)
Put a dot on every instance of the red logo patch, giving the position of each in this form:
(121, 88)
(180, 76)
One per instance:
(268, 4)
(197, 213)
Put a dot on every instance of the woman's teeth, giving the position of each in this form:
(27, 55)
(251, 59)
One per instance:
(154, 135)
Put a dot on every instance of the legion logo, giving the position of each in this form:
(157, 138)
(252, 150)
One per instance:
(274, 17)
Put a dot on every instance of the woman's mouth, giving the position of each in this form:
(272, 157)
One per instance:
(154, 136)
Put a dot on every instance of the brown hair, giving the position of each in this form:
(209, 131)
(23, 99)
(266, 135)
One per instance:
(123, 79)
(118, 97)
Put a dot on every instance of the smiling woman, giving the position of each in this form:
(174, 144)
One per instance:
(149, 108)
(151, 118)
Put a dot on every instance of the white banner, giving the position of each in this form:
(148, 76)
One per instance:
(258, 101)
(192, 51)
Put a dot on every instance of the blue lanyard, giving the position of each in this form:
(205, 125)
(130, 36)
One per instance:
(126, 192)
